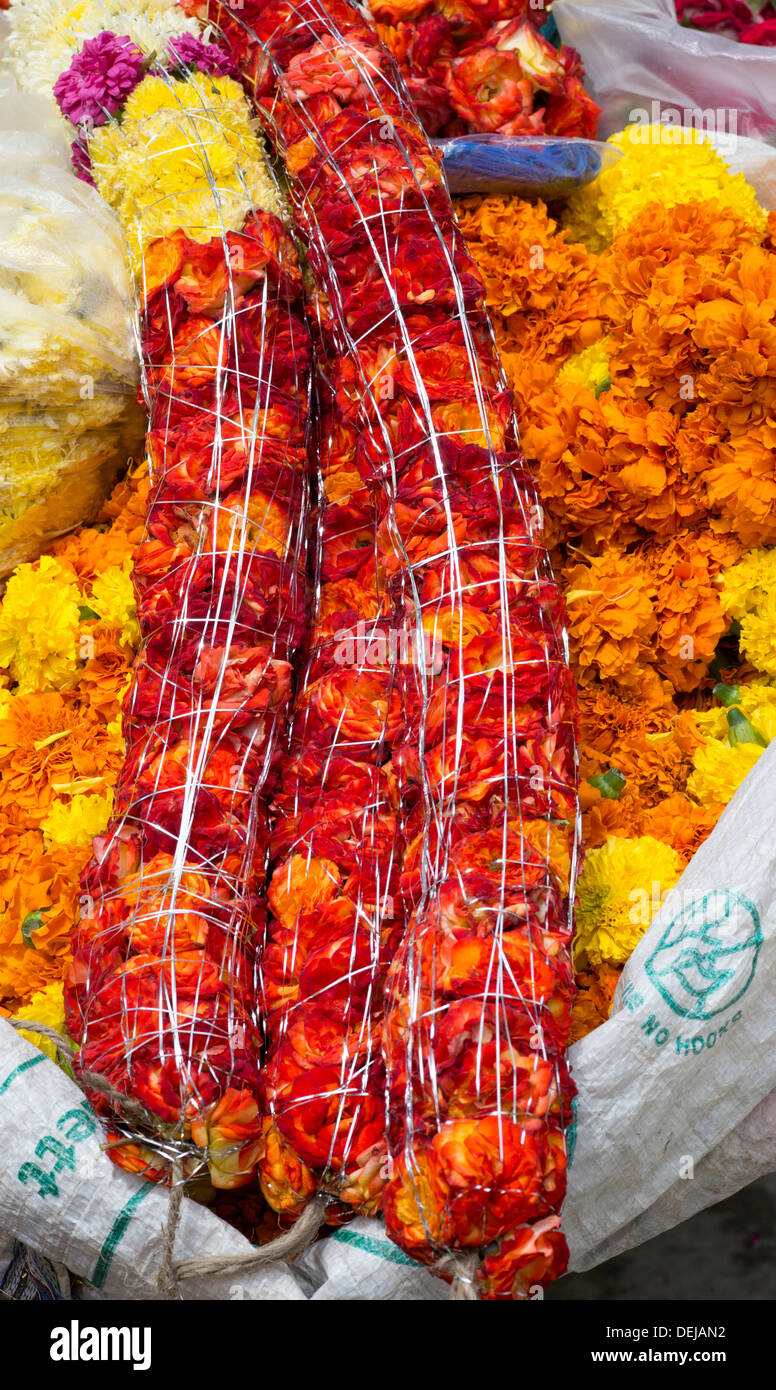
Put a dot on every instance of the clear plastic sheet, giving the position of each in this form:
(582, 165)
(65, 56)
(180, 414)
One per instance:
(451, 967)
(639, 59)
(68, 366)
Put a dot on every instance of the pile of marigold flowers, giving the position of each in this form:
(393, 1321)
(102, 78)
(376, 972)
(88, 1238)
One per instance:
(640, 342)
(68, 634)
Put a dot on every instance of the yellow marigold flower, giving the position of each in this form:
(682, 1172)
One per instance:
(749, 594)
(758, 636)
(749, 582)
(589, 368)
(77, 820)
(113, 597)
(661, 164)
(39, 618)
(47, 1006)
(757, 703)
(719, 769)
(621, 886)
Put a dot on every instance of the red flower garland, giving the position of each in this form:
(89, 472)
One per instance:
(478, 998)
(163, 987)
(485, 67)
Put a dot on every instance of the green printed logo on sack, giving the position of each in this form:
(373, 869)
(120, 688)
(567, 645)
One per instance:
(571, 1133)
(707, 956)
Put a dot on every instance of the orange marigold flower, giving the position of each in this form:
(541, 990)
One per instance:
(611, 617)
(50, 748)
(39, 895)
(539, 286)
(681, 823)
(690, 614)
(593, 1003)
(648, 742)
(89, 552)
(610, 456)
(604, 816)
(103, 681)
(24, 972)
(127, 507)
(741, 485)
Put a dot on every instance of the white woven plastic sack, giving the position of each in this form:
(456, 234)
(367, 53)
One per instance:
(61, 1195)
(687, 1056)
(747, 1153)
(358, 1263)
(635, 53)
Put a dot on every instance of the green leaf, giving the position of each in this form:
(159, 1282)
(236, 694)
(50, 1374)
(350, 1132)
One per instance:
(605, 386)
(611, 784)
(741, 731)
(85, 613)
(726, 694)
(32, 922)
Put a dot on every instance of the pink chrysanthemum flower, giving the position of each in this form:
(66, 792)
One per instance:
(186, 51)
(99, 79)
(82, 164)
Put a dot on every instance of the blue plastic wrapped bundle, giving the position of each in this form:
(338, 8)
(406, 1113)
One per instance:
(546, 166)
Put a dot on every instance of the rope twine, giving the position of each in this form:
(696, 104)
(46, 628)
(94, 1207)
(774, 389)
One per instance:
(286, 1247)
(463, 1269)
(283, 1249)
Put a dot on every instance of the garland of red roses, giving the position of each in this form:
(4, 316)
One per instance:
(162, 994)
(478, 997)
(336, 850)
(485, 67)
